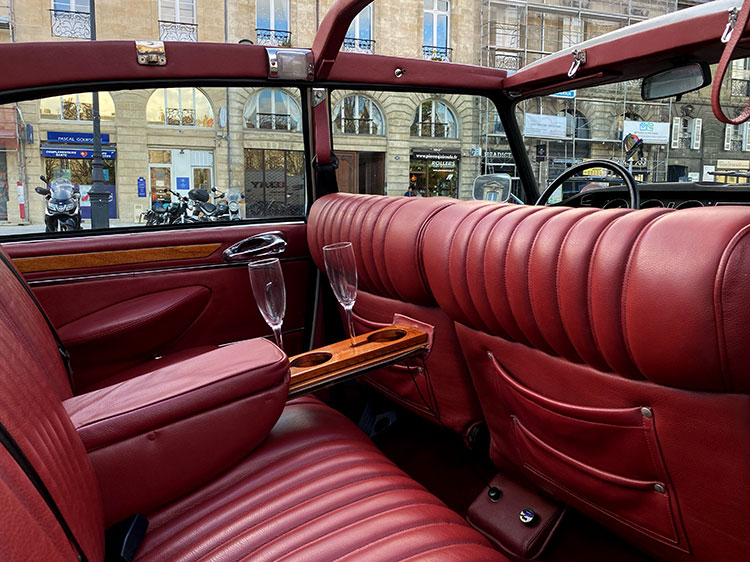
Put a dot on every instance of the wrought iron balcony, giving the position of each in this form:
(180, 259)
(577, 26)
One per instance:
(431, 52)
(355, 45)
(66, 23)
(177, 31)
(273, 37)
(740, 87)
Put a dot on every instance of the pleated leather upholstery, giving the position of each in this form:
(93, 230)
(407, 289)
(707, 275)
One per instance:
(317, 489)
(387, 235)
(635, 293)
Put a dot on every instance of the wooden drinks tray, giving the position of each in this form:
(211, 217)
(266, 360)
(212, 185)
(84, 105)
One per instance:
(340, 361)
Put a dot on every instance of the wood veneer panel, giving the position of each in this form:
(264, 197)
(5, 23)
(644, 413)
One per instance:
(346, 362)
(114, 257)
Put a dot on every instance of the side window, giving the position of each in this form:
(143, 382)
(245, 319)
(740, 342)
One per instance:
(417, 144)
(170, 156)
(436, 30)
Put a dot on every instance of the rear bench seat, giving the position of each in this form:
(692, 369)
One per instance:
(187, 449)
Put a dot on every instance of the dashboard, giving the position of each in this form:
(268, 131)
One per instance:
(671, 195)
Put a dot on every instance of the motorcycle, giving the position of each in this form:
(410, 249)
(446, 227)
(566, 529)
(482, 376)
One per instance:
(63, 205)
(234, 197)
(204, 210)
(157, 214)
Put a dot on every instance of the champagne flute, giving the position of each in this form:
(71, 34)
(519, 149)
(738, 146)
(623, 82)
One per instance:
(267, 282)
(342, 274)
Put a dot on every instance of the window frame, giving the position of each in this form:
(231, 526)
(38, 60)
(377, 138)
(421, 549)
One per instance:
(177, 15)
(339, 116)
(272, 15)
(77, 95)
(165, 107)
(433, 122)
(255, 97)
(433, 13)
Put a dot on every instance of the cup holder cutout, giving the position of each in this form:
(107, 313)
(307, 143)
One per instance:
(311, 359)
(391, 334)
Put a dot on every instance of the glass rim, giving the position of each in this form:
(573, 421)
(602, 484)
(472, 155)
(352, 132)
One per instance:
(337, 245)
(263, 262)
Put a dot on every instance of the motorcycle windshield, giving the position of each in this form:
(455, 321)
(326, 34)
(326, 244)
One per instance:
(233, 195)
(61, 192)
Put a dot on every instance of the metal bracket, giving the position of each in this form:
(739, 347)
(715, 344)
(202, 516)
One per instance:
(733, 13)
(579, 59)
(151, 53)
(318, 96)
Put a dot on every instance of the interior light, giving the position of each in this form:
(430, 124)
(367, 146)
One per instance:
(290, 64)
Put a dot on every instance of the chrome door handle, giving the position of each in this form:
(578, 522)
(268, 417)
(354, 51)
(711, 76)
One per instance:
(260, 245)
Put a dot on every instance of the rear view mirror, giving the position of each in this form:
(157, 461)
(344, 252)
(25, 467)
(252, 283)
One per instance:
(676, 81)
(42, 190)
(492, 187)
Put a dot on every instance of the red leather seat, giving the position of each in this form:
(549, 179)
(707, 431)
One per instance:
(316, 488)
(387, 234)
(609, 351)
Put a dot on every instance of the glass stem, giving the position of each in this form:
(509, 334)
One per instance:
(350, 323)
(277, 335)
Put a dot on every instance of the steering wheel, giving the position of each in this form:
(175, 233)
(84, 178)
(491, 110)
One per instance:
(618, 169)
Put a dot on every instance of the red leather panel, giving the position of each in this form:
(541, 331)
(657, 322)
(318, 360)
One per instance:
(443, 386)
(316, 489)
(31, 411)
(230, 314)
(387, 234)
(147, 323)
(19, 313)
(153, 438)
(696, 444)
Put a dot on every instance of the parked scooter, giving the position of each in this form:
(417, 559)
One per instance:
(157, 214)
(63, 205)
(234, 197)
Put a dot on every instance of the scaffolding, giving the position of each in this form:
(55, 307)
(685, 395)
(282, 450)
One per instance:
(518, 32)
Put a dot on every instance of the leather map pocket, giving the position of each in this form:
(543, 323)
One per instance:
(606, 458)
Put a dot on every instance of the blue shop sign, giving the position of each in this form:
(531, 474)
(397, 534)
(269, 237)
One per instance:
(49, 152)
(75, 138)
(141, 187)
(568, 94)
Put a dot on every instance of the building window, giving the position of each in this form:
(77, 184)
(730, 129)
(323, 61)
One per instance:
(177, 20)
(434, 119)
(358, 115)
(70, 18)
(436, 30)
(183, 107)
(77, 107)
(274, 183)
(686, 133)
(736, 137)
(359, 35)
(272, 109)
(272, 23)
(576, 124)
(740, 86)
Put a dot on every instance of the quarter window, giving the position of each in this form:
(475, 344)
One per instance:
(77, 107)
(183, 107)
(358, 115)
(434, 119)
(272, 109)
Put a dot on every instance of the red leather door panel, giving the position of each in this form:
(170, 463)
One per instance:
(115, 310)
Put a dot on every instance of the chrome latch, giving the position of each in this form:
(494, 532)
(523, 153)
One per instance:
(733, 13)
(579, 58)
(151, 53)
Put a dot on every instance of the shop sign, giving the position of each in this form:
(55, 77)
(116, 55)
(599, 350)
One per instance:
(553, 126)
(594, 172)
(75, 138)
(502, 155)
(435, 155)
(742, 165)
(650, 132)
(48, 152)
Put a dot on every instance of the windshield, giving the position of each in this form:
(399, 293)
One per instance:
(680, 140)
(61, 190)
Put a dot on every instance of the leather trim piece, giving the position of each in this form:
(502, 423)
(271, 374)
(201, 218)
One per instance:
(116, 257)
